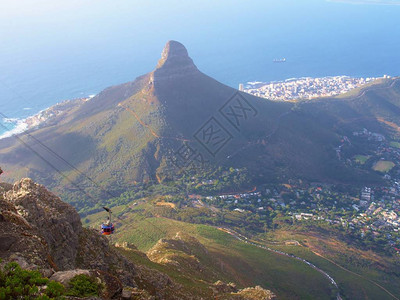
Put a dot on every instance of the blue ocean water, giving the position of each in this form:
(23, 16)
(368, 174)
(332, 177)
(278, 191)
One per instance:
(56, 50)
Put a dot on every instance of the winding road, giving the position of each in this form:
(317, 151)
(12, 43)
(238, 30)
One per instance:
(246, 240)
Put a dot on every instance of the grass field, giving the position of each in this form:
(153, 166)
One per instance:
(361, 159)
(383, 166)
(395, 144)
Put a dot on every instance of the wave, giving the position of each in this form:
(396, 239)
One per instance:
(20, 126)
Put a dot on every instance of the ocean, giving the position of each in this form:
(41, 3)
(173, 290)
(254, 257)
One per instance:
(57, 50)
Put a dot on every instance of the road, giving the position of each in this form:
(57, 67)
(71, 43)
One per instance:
(246, 240)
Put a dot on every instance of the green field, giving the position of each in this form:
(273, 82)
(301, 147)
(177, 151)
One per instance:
(383, 166)
(395, 144)
(361, 159)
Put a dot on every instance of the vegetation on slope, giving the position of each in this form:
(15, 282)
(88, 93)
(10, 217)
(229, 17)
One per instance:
(16, 283)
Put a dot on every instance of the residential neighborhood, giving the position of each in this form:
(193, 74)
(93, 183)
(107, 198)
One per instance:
(305, 88)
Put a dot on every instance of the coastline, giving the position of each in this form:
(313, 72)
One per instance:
(53, 112)
(41, 118)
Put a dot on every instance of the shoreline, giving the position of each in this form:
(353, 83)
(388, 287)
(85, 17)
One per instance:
(42, 117)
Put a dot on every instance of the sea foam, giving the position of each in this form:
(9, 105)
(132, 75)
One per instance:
(19, 126)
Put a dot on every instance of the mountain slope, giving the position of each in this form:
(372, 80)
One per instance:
(136, 132)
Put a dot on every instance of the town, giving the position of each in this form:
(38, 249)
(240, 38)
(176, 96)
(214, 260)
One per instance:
(370, 214)
(305, 88)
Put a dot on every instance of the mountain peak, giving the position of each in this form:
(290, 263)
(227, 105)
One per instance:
(175, 57)
(174, 48)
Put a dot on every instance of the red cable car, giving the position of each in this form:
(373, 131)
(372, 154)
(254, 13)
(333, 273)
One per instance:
(107, 227)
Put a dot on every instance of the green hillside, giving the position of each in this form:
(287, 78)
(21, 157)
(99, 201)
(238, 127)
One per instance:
(228, 259)
(133, 134)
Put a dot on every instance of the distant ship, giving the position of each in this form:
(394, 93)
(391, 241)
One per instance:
(279, 60)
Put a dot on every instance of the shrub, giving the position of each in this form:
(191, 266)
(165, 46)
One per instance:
(16, 283)
(54, 289)
(83, 286)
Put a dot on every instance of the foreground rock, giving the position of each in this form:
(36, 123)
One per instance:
(56, 222)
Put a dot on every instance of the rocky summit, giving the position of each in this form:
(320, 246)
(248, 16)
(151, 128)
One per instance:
(175, 61)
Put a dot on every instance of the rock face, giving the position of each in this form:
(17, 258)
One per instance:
(174, 62)
(19, 240)
(57, 222)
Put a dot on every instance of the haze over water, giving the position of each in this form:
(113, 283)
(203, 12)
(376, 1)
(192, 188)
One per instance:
(52, 50)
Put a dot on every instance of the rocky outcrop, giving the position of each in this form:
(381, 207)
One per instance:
(20, 241)
(256, 293)
(56, 222)
(175, 62)
(111, 285)
(94, 252)
(221, 287)
(229, 291)
(181, 252)
(64, 277)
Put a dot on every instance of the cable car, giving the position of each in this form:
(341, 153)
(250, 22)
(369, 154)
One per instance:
(107, 227)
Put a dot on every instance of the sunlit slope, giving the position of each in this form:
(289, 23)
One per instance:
(221, 256)
(229, 259)
(129, 133)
